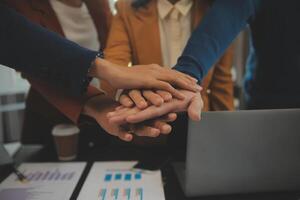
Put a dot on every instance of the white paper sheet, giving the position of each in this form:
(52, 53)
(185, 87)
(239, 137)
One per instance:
(118, 181)
(47, 181)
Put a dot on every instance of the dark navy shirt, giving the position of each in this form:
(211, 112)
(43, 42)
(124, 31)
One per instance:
(273, 69)
(43, 54)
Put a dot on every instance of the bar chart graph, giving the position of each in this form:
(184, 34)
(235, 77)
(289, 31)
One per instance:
(54, 175)
(117, 181)
(46, 181)
(126, 193)
(118, 176)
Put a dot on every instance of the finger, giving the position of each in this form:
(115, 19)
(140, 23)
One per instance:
(167, 118)
(120, 115)
(125, 136)
(171, 117)
(195, 108)
(151, 113)
(187, 85)
(146, 131)
(120, 119)
(162, 124)
(153, 98)
(184, 81)
(117, 112)
(164, 127)
(191, 78)
(165, 95)
(138, 99)
(126, 101)
(167, 87)
(119, 108)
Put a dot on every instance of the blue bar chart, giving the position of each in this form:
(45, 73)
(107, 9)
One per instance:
(124, 194)
(119, 176)
(118, 181)
(112, 177)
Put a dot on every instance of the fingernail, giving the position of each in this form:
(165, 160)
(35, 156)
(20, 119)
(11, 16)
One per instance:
(159, 102)
(194, 79)
(166, 128)
(198, 88)
(155, 132)
(143, 104)
(128, 137)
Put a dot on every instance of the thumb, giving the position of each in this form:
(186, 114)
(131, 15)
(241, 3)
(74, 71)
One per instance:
(195, 107)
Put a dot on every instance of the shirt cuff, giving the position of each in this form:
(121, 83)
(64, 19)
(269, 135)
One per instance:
(87, 79)
(188, 65)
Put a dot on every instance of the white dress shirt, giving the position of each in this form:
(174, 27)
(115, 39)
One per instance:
(175, 24)
(78, 26)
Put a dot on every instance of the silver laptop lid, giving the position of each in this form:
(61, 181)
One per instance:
(242, 152)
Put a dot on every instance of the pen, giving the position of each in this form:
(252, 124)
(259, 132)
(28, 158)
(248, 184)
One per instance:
(6, 160)
(19, 175)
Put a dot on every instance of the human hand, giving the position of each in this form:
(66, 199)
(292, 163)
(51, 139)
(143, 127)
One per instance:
(144, 76)
(192, 103)
(98, 107)
(143, 98)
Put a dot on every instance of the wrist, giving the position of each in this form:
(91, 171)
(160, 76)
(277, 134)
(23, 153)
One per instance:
(97, 66)
(96, 70)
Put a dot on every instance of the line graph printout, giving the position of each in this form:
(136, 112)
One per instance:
(46, 181)
(117, 181)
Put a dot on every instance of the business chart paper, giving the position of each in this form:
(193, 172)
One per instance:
(46, 181)
(118, 181)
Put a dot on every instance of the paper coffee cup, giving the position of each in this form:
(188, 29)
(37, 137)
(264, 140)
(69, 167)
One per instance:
(66, 139)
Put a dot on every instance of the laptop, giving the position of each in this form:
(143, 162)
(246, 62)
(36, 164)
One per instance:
(242, 152)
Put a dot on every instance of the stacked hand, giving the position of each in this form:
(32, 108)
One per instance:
(147, 109)
(192, 103)
(144, 77)
(98, 108)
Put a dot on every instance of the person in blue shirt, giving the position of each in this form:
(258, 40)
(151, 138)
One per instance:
(273, 68)
(273, 65)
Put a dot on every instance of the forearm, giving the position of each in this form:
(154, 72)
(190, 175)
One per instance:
(43, 54)
(220, 26)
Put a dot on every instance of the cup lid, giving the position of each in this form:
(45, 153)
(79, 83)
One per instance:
(65, 130)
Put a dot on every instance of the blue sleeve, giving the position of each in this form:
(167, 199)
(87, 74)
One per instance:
(45, 55)
(223, 22)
